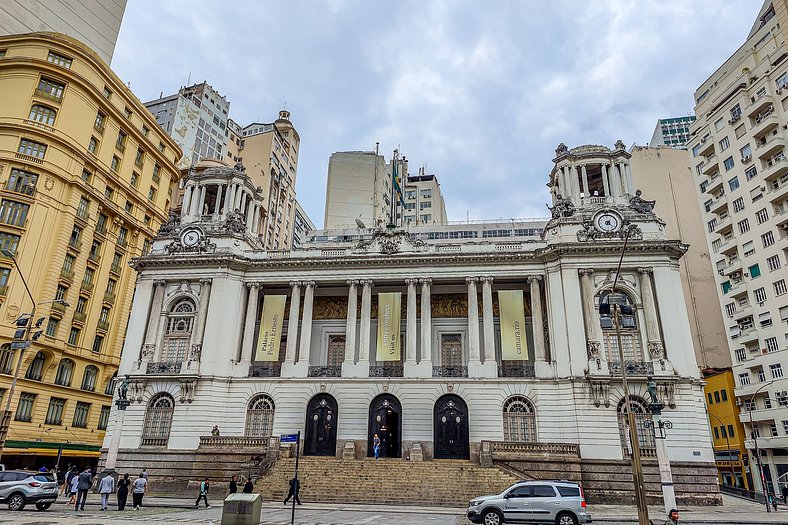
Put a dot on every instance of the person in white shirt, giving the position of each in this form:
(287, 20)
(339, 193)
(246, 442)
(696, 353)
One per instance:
(106, 487)
(138, 490)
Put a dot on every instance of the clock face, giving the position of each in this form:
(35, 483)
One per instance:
(607, 222)
(190, 238)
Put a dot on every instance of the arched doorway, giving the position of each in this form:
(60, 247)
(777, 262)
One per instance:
(450, 428)
(385, 420)
(321, 426)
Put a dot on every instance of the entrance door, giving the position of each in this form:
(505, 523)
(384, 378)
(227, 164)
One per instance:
(385, 420)
(321, 426)
(450, 428)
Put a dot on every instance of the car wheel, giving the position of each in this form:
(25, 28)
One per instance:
(492, 517)
(43, 506)
(566, 518)
(16, 502)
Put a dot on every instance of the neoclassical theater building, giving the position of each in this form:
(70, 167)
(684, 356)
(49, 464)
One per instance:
(449, 342)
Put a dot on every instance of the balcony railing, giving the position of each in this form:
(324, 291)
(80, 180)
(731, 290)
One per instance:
(635, 368)
(68, 275)
(79, 317)
(449, 371)
(86, 287)
(395, 370)
(513, 450)
(109, 297)
(75, 244)
(103, 325)
(3, 290)
(58, 307)
(269, 370)
(82, 213)
(94, 258)
(325, 371)
(47, 95)
(115, 268)
(164, 367)
(234, 442)
(29, 158)
(153, 442)
(24, 189)
(515, 369)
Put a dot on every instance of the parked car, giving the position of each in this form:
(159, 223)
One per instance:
(20, 487)
(559, 502)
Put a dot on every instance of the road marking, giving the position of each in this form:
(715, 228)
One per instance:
(368, 520)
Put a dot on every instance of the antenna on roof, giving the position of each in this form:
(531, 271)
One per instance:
(189, 79)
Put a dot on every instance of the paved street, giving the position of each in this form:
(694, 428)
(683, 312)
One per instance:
(177, 511)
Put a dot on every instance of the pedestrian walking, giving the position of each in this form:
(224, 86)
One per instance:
(123, 491)
(673, 517)
(145, 473)
(204, 487)
(72, 471)
(138, 490)
(106, 487)
(73, 487)
(785, 494)
(376, 446)
(84, 482)
(295, 487)
(773, 501)
(233, 486)
(248, 487)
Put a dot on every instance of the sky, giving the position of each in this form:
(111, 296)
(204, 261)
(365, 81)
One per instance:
(480, 93)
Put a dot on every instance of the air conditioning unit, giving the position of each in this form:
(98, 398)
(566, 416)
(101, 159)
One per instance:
(779, 90)
(761, 303)
(781, 393)
(721, 272)
(746, 159)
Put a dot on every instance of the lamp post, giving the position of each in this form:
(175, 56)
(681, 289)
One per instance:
(23, 338)
(754, 433)
(728, 444)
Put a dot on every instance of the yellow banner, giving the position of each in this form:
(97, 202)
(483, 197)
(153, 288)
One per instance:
(514, 345)
(389, 305)
(270, 328)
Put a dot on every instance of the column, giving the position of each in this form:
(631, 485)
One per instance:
(426, 325)
(201, 209)
(195, 350)
(537, 319)
(217, 207)
(306, 324)
(154, 316)
(605, 183)
(619, 178)
(628, 178)
(350, 325)
(228, 199)
(473, 324)
(490, 366)
(117, 432)
(591, 319)
(654, 341)
(247, 347)
(292, 323)
(239, 195)
(249, 215)
(364, 335)
(410, 346)
(585, 181)
(187, 200)
(194, 202)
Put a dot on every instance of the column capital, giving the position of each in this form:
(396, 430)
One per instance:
(253, 284)
(295, 284)
(411, 281)
(367, 283)
(206, 281)
(309, 284)
(586, 271)
(486, 279)
(425, 281)
(532, 278)
(645, 270)
(470, 280)
(352, 282)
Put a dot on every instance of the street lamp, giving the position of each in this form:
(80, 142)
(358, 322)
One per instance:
(23, 338)
(728, 444)
(754, 433)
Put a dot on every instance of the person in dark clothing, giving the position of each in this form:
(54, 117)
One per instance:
(204, 486)
(295, 487)
(84, 484)
(123, 491)
(248, 487)
(233, 486)
(785, 494)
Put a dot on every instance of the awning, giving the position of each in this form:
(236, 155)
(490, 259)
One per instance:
(43, 448)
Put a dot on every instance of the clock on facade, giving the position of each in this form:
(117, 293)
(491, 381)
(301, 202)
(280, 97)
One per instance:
(607, 221)
(190, 237)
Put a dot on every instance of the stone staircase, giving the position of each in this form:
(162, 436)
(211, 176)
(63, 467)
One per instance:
(442, 483)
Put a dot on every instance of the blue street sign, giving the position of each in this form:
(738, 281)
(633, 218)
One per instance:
(288, 438)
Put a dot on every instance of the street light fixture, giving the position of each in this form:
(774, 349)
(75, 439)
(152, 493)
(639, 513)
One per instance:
(23, 338)
(754, 434)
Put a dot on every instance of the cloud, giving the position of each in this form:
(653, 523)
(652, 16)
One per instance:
(479, 93)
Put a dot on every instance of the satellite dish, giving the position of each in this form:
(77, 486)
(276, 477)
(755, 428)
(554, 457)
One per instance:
(360, 224)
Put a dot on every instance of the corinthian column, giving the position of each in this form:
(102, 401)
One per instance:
(247, 348)
(292, 323)
(490, 365)
(350, 324)
(410, 348)
(366, 320)
(655, 347)
(306, 324)
(425, 363)
(152, 333)
(590, 317)
(474, 357)
(537, 319)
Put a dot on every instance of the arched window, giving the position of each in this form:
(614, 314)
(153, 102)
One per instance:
(519, 420)
(89, 378)
(630, 335)
(43, 114)
(6, 359)
(178, 332)
(645, 433)
(158, 420)
(36, 369)
(110, 390)
(260, 416)
(65, 372)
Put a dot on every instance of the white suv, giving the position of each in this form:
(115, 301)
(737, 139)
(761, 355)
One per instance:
(559, 502)
(19, 487)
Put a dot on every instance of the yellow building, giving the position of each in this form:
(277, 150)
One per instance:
(727, 432)
(85, 174)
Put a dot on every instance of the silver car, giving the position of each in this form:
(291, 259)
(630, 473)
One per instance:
(20, 487)
(559, 502)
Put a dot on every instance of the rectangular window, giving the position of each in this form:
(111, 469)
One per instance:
(24, 410)
(695, 150)
(152, 194)
(86, 175)
(55, 411)
(708, 395)
(716, 433)
(724, 143)
(728, 163)
(82, 303)
(724, 394)
(773, 429)
(13, 213)
(83, 209)
(120, 143)
(139, 158)
(115, 166)
(773, 263)
(93, 145)
(52, 325)
(156, 175)
(730, 309)
(109, 192)
(103, 421)
(755, 270)
(122, 235)
(751, 172)
(9, 242)
(723, 432)
(746, 152)
(776, 370)
(50, 89)
(98, 342)
(107, 93)
(32, 148)
(760, 295)
(717, 396)
(129, 207)
(81, 415)
(21, 181)
(73, 336)
(762, 215)
(60, 293)
(60, 60)
(135, 179)
(100, 122)
(744, 379)
(748, 248)
(738, 204)
(744, 225)
(780, 287)
(101, 223)
(767, 239)
(771, 344)
(733, 183)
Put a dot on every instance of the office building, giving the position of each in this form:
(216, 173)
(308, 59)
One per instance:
(673, 132)
(302, 226)
(737, 154)
(424, 202)
(85, 177)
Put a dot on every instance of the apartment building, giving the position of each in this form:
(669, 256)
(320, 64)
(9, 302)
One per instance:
(96, 23)
(196, 117)
(302, 225)
(424, 202)
(673, 132)
(269, 152)
(84, 186)
(737, 153)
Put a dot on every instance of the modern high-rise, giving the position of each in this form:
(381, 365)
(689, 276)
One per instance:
(95, 23)
(673, 132)
(84, 186)
(302, 225)
(269, 153)
(737, 153)
(424, 202)
(196, 118)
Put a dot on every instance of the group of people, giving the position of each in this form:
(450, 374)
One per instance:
(76, 485)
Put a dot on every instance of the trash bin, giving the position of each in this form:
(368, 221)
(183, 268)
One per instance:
(242, 509)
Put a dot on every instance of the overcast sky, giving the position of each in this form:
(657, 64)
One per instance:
(479, 92)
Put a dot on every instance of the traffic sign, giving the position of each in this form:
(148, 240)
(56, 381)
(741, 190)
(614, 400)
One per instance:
(19, 345)
(288, 438)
